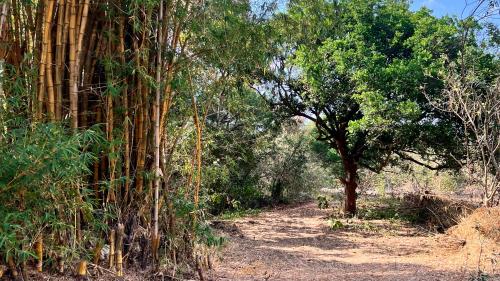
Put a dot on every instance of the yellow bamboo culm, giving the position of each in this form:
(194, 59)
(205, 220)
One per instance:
(119, 252)
(156, 107)
(39, 253)
(126, 134)
(111, 197)
(50, 85)
(73, 76)
(112, 249)
(61, 10)
(43, 59)
(97, 252)
(155, 244)
(82, 269)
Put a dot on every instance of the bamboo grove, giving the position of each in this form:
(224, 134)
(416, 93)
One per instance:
(135, 77)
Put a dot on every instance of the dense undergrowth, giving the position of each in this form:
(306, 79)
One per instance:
(43, 183)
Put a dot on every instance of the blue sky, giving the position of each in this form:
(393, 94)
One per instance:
(459, 8)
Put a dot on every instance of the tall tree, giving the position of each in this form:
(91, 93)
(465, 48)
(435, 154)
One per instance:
(358, 70)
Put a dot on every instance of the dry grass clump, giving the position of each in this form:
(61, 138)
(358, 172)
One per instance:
(444, 212)
(435, 213)
(479, 242)
(483, 223)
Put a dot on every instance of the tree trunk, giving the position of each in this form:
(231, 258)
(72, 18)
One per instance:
(350, 185)
(277, 191)
(350, 174)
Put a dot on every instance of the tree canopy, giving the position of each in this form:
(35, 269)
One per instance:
(362, 71)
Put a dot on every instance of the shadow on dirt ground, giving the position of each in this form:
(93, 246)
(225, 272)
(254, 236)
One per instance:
(296, 243)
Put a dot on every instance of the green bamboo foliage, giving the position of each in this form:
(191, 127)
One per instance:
(89, 91)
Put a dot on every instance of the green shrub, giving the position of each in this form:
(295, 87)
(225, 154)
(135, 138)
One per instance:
(335, 224)
(42, 182)
(322, 202)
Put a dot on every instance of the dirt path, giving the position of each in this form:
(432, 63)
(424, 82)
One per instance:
(295, 243)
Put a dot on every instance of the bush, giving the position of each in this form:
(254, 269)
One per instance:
(322, 202)
(270, 168)
(42, 182)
